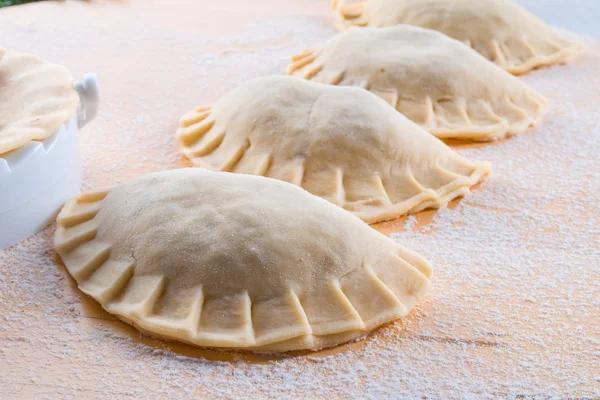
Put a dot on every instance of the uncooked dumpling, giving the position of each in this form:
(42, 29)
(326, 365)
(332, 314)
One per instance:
(36, 97)
(237, 261)
(499, 30)
(437, 82)
(341, 143)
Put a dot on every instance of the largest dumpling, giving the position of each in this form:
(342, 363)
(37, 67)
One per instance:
(237, 261)
(341, 143)
(499, 30)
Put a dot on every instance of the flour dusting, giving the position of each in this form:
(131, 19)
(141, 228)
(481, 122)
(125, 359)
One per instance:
(515, 305)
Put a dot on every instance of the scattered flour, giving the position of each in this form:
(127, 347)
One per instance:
(515, 307)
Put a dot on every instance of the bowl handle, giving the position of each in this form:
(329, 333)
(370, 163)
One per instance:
(89, 97)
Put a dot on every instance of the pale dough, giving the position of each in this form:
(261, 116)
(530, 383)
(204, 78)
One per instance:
(341, 143)
(437, 82)
(238, 261)
(36, 98)
(500, 30)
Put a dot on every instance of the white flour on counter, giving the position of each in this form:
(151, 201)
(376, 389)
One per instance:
(515, 307)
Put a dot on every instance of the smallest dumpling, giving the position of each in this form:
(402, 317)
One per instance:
(438, 82)
(499, 30)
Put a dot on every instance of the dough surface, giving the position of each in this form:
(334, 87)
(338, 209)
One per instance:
(340, 143)
(237, 261)
(500, 30)
(36, 97)
(437, 82)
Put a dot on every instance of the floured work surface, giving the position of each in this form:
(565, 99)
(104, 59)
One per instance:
(515, 304)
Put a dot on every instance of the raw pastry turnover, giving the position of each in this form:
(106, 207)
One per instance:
(437, 82)
(499, 30)
(340, 143)
(36, 97)
(238, 261)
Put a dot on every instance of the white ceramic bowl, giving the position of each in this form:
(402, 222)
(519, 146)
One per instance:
(38, 178)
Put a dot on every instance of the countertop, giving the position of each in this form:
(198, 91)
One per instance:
(515, 307)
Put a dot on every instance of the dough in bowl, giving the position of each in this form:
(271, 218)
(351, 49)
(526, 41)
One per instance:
(437, 82)
(36, 98)
(340, 143)
(499, 30)
(236, 261)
